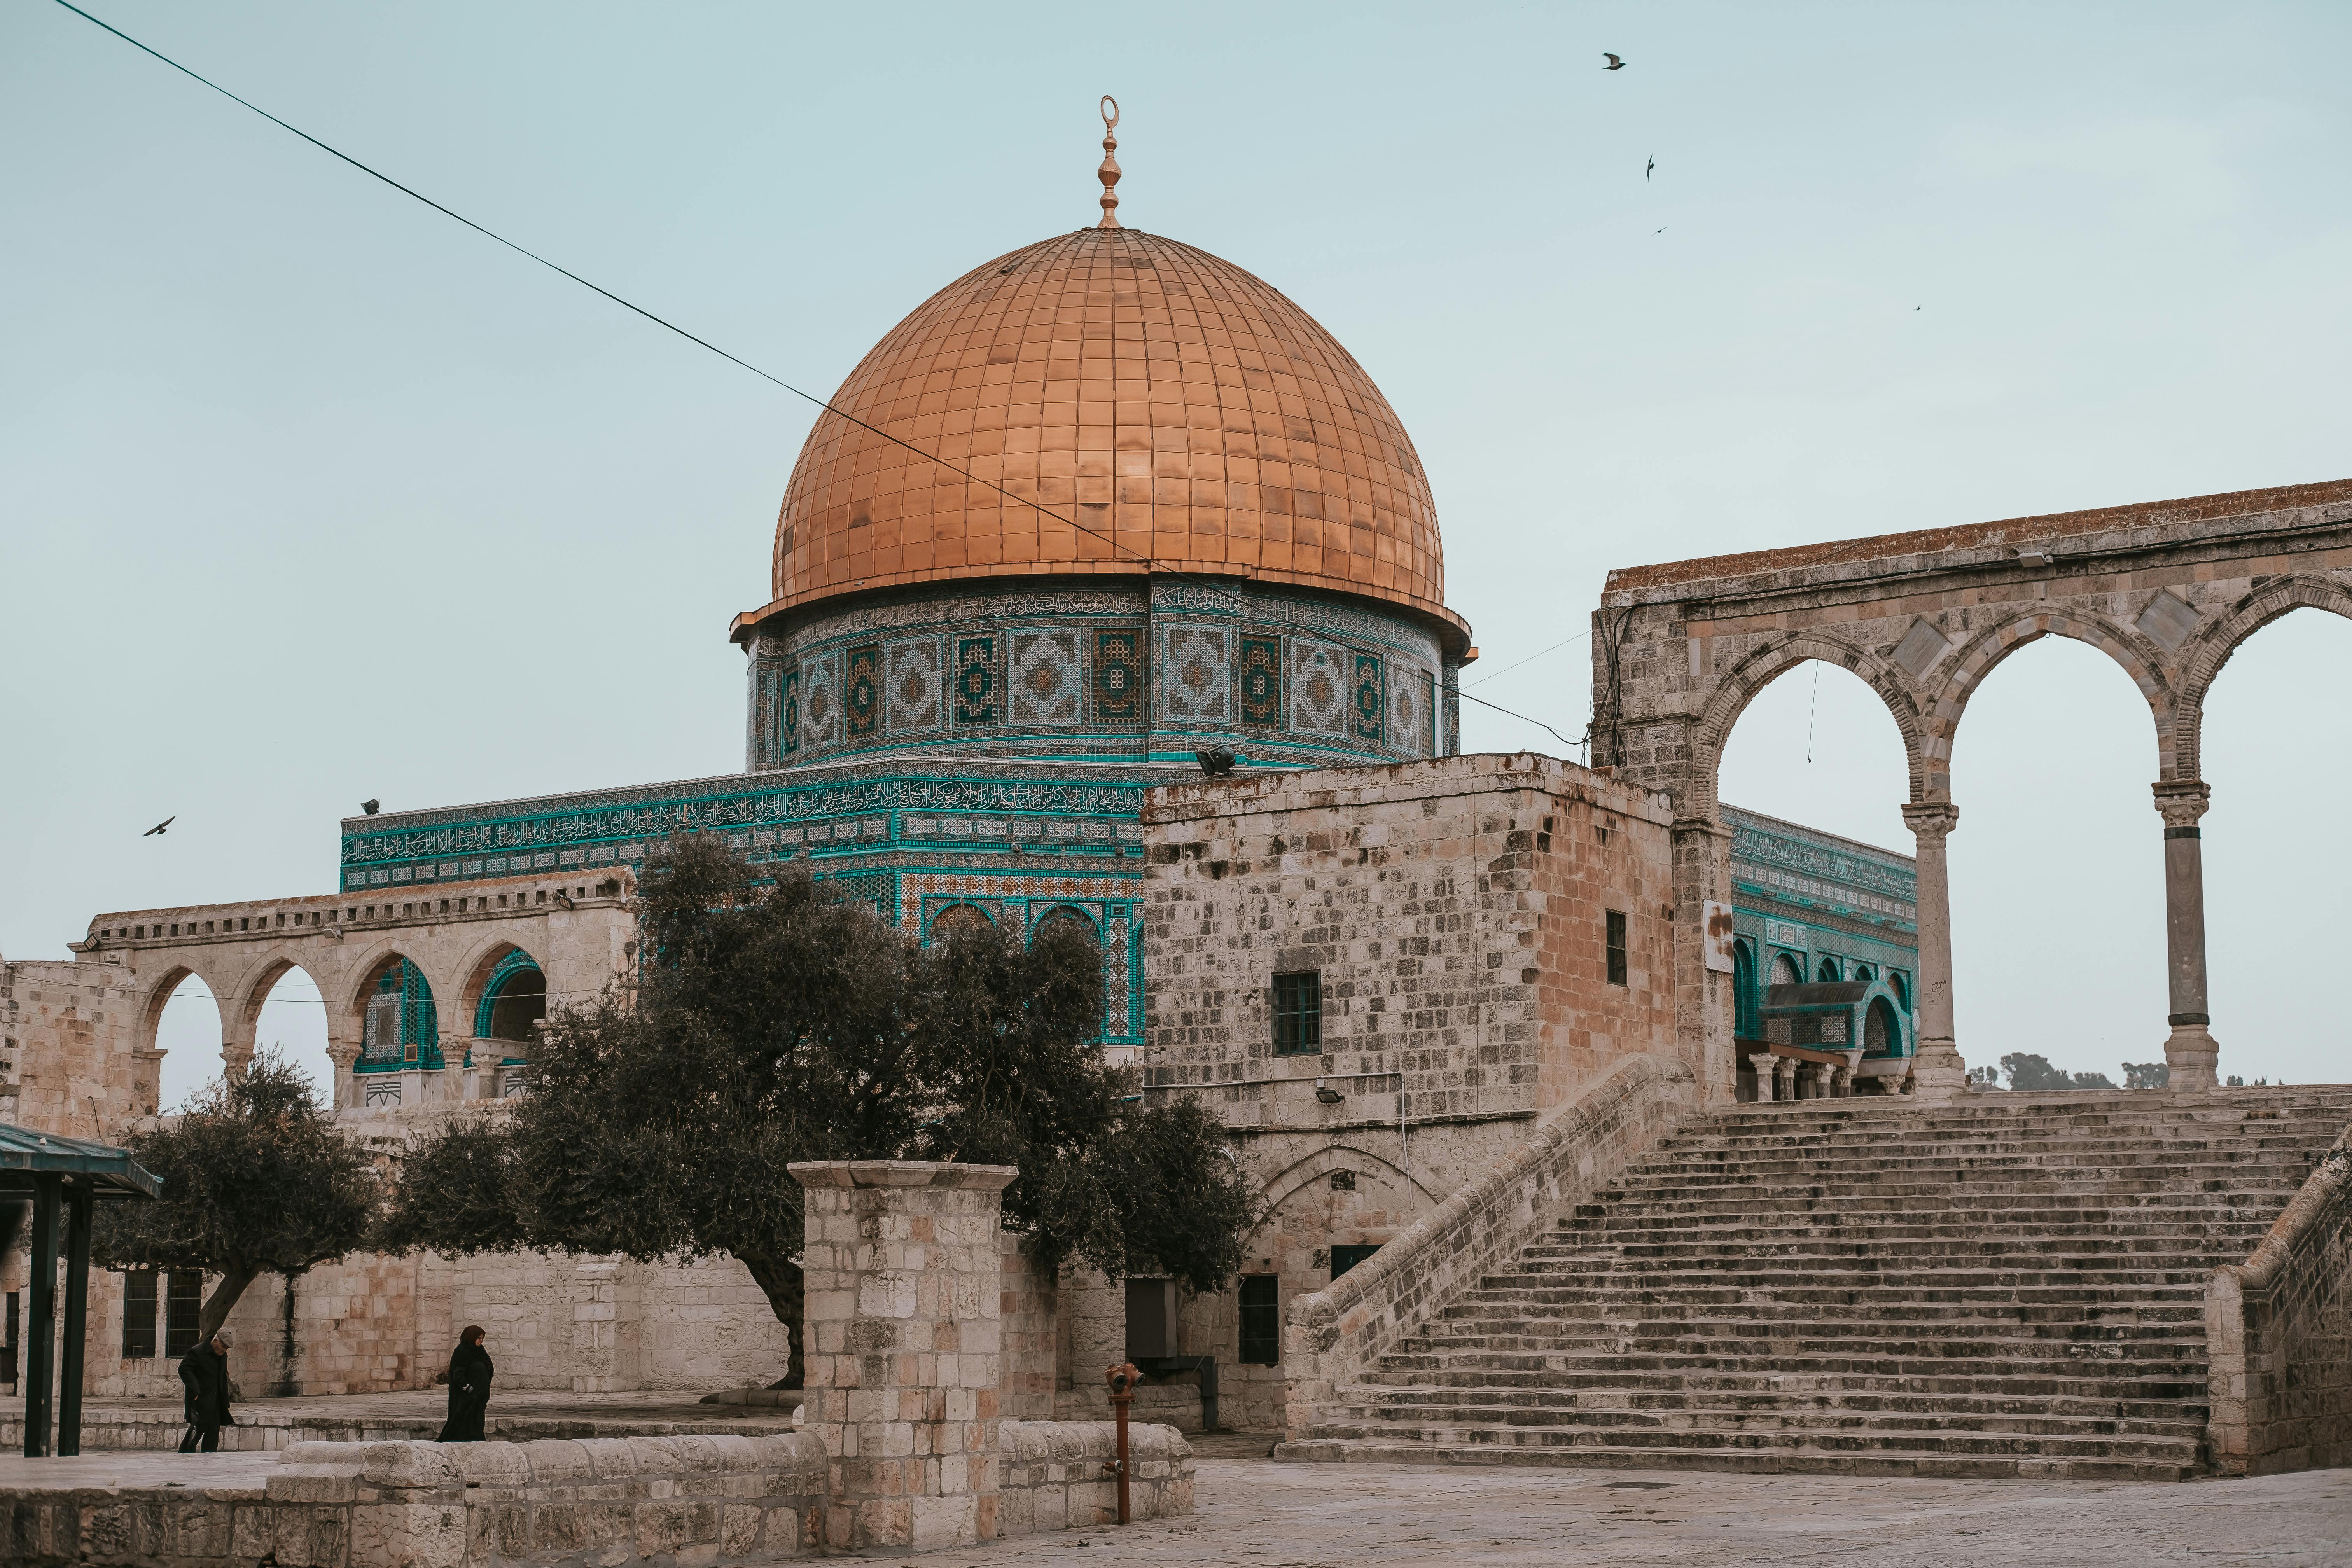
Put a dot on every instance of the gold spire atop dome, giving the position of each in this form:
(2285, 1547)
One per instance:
(1108, 172)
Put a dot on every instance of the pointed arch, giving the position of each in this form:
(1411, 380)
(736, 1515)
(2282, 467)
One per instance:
(1736, 688)
(2139, 659)
(2212, 647)
(1304, 1171)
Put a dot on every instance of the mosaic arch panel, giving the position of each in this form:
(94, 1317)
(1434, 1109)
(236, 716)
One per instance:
(820, 701)
(914, 692)
(861, 694)
(1118, 675)
(788, 714)
(1372, 697)
(1318, 688)
(1198, 683)
(977, 700)
(513, 999)
(1261, 682)
(1046, 681)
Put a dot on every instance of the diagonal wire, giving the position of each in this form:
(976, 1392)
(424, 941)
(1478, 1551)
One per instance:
(668, 325)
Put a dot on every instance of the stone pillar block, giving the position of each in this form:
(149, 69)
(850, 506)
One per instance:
(905, 1297)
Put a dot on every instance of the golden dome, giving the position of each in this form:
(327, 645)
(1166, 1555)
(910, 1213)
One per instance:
(1190, 418)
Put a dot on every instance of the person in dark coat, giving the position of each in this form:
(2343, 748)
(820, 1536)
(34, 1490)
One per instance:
(204, 1373)
(469, 1388)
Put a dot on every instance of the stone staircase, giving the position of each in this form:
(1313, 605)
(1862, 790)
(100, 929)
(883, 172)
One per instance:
(2010, 1285)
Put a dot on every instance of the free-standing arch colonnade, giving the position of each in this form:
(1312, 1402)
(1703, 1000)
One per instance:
(2169, 590)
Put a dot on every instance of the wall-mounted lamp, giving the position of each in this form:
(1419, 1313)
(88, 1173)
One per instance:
(1327, 1094)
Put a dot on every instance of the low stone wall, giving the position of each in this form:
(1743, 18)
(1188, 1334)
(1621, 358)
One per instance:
(1062, 1475)
(1332, 1334)
(2278, 1336)
(607, 1501)
(265, 1431)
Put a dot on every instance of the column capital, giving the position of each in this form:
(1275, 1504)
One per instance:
(1931, 818)
(2180, 802)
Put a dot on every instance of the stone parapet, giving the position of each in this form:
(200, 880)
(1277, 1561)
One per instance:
(1062, 1475)
(2278, 1336)
(1332, 1334)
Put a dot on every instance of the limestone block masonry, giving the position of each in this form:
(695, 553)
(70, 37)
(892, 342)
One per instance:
(905, 1297)
(2167, 589)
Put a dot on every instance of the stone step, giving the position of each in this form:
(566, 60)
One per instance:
(1479, 1316)
(2113, 1382)
(1919, 1440)
(1883, 1461)
(1600, 1398)
(1365, 1416)
(1662, 1274)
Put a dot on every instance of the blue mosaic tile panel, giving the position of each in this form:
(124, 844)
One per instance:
(1370, 697)
(914, 693)
(1196, 687)
(861, 709)
(1318, 688)
(1118, 675)
(975, 682)
(1261, 684)
(1045, 681)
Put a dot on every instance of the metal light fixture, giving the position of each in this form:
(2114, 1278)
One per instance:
(1216, 761)
(1327, 1094)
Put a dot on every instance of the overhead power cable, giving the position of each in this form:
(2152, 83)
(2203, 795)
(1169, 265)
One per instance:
(667, 325)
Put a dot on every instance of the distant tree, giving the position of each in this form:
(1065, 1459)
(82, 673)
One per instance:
(255, 1180)
(1989, 1078)
(2147, 1075)
(774, 1021)
(2029, 1072)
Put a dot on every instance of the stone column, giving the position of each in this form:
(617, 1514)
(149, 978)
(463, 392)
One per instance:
(1763, 1066)
(1841, 1082)
(905, 1303)
(1702, 851)
(1936, 1071)
(2190, 1050)
(1784, 1078)
(344, 1055)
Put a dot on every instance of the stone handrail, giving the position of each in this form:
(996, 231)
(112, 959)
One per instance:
(2278, 1335)
(1334, 1333)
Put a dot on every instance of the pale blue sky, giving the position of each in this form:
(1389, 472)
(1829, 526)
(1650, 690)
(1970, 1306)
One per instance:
(308, 495)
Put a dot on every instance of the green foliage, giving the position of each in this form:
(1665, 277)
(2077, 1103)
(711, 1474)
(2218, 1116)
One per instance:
(776, 1023)
(2147, 1075)
(255, 1180)
(459, 1192)
(2027, 1071)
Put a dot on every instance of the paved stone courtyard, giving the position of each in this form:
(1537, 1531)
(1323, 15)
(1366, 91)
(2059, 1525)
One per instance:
(1271, 1515)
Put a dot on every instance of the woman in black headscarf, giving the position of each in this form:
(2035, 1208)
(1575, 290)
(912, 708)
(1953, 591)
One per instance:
(469, 1388)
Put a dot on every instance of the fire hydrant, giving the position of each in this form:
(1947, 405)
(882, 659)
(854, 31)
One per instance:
(1122, 1379)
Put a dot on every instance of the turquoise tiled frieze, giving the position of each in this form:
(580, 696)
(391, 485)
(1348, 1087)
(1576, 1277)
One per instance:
(1032, 670)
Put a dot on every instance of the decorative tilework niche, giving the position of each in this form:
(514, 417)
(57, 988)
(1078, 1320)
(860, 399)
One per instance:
(1118, 675)
(1372, 697)
(861, 710)
(976, 697)
(1197, 686)
(1046, 681)
(1261, 686)
(914, 686)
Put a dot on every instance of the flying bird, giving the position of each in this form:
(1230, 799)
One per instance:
(159, 828)
(1615, 63)
(1651, 170)
(1660, 229)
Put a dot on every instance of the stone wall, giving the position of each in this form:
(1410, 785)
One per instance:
(1029, 1337)
(1329, 1336)
(2278, 1335)
(1455, 910)
(611, 1501)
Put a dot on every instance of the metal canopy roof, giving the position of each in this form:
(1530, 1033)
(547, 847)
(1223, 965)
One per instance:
(25, 1154)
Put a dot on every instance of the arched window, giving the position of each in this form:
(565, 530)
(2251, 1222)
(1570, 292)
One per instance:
(960, 918)
(1900, 983)
(1882, 1032)
(1786, 971)
(1063, 916)
(1747, 1020)
(514, 1001)
(1865, 972)
(403, 1028)
(1828, 973)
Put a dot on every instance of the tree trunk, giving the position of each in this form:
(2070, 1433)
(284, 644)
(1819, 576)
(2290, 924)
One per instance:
(787, 1291)
(217, 1305)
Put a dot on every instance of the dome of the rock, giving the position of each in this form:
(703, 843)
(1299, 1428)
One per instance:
(1181, 415)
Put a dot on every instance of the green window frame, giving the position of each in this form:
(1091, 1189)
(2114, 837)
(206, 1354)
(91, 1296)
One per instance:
(1299, 1013)
(139, 1314)
(1346, 1257)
